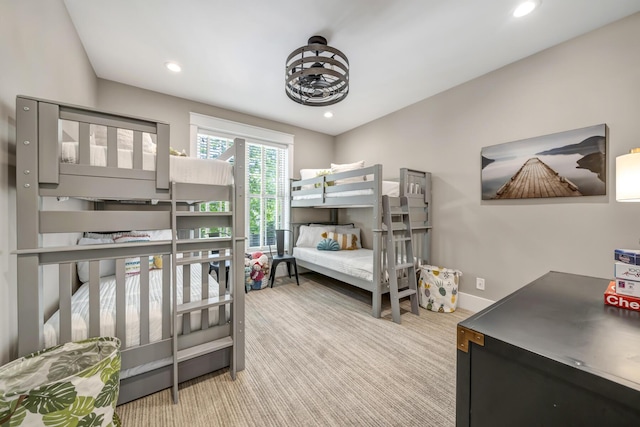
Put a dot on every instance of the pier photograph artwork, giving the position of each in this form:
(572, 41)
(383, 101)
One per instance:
(564, 164)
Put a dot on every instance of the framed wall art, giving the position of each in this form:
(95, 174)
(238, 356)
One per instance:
(564, 164)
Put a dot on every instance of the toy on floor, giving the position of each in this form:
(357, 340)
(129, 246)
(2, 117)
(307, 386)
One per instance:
(256, 269)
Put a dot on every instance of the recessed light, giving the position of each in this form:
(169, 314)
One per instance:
(525, 8)
(328, 114)
(173, 66)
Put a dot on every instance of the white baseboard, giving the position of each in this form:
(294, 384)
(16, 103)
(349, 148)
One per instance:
(472, 302)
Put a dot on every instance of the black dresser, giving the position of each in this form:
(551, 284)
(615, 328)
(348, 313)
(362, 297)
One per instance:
(550, 354)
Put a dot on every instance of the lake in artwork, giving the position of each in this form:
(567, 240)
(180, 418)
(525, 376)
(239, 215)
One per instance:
(565, 164)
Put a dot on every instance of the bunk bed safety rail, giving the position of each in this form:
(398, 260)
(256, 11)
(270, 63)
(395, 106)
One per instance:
(118, 136)
(362, 186)
(90, 143)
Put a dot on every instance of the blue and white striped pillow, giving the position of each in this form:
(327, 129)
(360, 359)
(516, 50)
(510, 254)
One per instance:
(132, 265)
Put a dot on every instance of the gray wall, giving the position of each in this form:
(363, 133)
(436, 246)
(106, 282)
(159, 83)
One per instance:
(589, 80)
(310, 148)
(41, 55)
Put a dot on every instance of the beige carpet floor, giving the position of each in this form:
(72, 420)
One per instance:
(316, 357)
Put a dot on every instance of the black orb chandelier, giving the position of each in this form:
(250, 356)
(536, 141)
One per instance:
(317, 74)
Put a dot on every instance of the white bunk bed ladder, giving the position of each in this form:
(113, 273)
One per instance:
(187, 306)
(398, 225)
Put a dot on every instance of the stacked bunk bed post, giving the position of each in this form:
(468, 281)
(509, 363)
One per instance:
(174, 321)
(365, 187)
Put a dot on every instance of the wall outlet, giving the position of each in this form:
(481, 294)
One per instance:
(480, 283)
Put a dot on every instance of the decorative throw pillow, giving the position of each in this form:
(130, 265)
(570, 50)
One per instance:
(327, 183)
(328, 245)
(346, 241)
(132, 265)
(174, 152)
(111, 236)
(309, 237)
(154, 234)
(350, 229)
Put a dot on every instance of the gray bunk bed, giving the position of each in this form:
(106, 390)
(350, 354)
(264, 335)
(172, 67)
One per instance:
(186, 323)
(365, 188)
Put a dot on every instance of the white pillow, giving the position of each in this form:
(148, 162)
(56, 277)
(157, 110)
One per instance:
(125, 141)
(344, 227)
(124, 137)
(107, 266)
(327, 226)
(335, 168)
(309, 237)
(308, 174)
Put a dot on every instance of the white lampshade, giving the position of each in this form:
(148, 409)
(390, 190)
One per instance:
(628, 177)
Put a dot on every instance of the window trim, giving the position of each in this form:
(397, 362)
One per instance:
(230, 129)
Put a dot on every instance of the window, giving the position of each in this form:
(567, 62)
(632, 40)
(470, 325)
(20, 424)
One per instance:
(269, 163)
(211, 147)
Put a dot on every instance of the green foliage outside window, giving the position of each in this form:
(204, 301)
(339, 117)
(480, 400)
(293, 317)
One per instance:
(265, 184)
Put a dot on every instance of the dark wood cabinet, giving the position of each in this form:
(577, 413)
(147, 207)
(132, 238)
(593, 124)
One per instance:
(550, 354)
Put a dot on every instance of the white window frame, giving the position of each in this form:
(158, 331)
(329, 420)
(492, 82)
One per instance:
(230, 129)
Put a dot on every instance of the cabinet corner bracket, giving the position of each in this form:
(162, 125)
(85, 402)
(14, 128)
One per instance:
(466, 335)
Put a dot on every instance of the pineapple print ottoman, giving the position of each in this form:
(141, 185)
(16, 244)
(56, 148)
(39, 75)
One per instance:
(438, 288)
(74, 384)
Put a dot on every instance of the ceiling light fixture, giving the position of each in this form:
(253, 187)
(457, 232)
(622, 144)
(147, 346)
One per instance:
(173, 66)
(317, 74)
(328, 114)
(525, 8)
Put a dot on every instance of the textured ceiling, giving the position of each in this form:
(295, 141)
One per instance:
(400, 51)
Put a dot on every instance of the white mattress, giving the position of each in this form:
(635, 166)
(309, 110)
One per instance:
(181, 169)
(357, 263)
(389, 188)
(80, 308)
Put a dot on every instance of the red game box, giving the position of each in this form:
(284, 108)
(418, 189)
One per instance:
(622, 301)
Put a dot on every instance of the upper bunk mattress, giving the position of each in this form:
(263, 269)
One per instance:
(356, 263)
(389, 188)
(181, 169)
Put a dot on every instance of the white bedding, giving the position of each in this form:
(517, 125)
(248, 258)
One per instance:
(389, 188)
(181, 169)
(357, 263)
(80, 308)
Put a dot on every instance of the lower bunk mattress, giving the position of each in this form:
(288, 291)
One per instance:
(80, 311)
(356, 263)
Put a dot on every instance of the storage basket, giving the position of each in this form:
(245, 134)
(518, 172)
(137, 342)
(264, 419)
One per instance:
(67, 385)
(438, 288)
